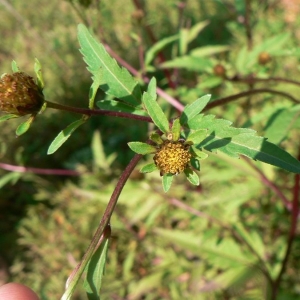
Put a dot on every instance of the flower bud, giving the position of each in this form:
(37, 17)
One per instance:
(19, 94)
(264, 58)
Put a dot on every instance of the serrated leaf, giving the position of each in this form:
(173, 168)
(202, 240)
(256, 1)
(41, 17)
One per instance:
(194, 109)
(151, 53)
(148, 168)
(22, 128)
(95, 271)
(167, 181)
(155, 111)
(116, 80)
(242, 141)
(141, 148)
(63, 136)
(118, 106)
(192, 176)
(197, 136)
(7, 117)
(14, 67)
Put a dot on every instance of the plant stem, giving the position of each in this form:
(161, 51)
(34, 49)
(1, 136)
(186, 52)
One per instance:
(231, 98)
(253, 80)
(153, 39)
(21, 169)
(104, 223)
(292, 234)
(270, 184)
(248, 25)
(94, 112)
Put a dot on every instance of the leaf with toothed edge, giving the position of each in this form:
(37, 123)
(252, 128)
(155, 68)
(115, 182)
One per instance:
(115, 80)
(241, 141)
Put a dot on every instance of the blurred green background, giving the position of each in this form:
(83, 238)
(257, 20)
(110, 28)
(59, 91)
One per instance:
(192, 243)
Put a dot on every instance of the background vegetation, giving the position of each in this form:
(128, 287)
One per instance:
(233, 237)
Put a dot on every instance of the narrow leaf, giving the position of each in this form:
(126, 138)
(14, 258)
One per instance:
(63, 136)
(7, 117)
(176, 130)
(195, 30)
(148, 168)
(14, 67)
(188, 62)
(151, 53)
(154, 110)
(198, 153)
(192, 176)
(209, 50)
(95, 271)
(22, 128)
(141, 148)
(38, 72)
(116, 81)
(194, 109)
(167, 181)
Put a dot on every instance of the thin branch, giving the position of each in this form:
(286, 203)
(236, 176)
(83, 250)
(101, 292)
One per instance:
(292, 234)
(104, 223)
(247, 24)
(153, 39)
(270, 184)
(94, 112)
(252, 80)
(231, 98)
(21, 169)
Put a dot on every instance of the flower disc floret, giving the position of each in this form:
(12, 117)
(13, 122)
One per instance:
(172, 157)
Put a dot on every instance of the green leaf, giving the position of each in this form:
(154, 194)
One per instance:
(194, 109)
(7, 117)
(188, 62)
(195, 30)
(197, 136)
(281, 123)
(95, 271)
(115, 80)
(183, 40)
(192, 176)
(118, 106)
(39, 76)
(156, 138)
(63, 136)
(22, 128)
(167, 181)
(208, 50)
(14, 67)
(198, 153)
(148, 168)
(153, 109)
(94, 88)
(241, 141)
(175, 130)
(141, 148)
(151, 53)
